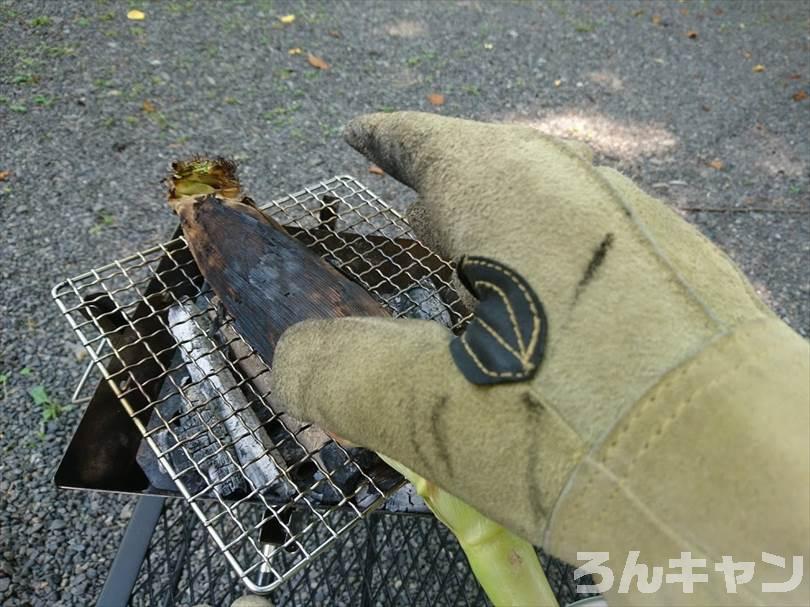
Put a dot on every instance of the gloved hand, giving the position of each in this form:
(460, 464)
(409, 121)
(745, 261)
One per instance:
(621, 385)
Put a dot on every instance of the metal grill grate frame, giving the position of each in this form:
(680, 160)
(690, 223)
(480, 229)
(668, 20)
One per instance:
(370, 242)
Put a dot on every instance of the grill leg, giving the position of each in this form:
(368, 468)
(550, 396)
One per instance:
(371, 554)
(124, 571)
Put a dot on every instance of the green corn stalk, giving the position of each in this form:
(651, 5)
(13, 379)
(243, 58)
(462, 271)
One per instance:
(505, 565)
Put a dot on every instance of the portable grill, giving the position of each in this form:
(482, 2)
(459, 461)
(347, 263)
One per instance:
(267, 534)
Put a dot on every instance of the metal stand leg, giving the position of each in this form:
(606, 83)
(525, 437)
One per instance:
(124, 571)
(371, 555)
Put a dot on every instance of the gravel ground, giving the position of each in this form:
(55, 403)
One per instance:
(93, 107)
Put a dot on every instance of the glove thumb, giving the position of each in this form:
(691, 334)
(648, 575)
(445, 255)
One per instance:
(362, 378)
(392, 386)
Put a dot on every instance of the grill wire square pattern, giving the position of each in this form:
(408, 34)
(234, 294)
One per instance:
(120, 313)
(386, 560)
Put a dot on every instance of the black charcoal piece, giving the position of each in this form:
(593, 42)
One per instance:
(423, 302)
(346, 473)
(405, 499)
(199, 435)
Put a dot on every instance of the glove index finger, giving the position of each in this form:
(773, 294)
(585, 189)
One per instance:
(401, 143)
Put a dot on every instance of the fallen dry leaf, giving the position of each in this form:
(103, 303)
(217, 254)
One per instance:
(758, 68)
(800, 95)
(436, 99)
(692, 34)
(637, 12)
(294, 51)
(148, 106)
(287, 19)
(795, 77)
(656, 19)
(375, 170)
(4, 175)
(335, 34)
(317, 62)
(136, 15)
(716, 164)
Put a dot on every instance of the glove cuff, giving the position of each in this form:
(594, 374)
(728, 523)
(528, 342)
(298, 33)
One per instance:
(729, 427)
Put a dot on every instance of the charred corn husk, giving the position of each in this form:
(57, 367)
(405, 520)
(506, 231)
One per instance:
(266, 279)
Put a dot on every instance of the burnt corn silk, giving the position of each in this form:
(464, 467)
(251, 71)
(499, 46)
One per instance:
(266, 279)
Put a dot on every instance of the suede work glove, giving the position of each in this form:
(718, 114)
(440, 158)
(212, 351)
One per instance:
(621, 385)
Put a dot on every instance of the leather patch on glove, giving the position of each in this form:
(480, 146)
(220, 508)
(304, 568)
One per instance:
(506, 338)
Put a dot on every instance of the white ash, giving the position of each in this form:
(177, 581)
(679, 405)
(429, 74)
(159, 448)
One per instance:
(209, 370)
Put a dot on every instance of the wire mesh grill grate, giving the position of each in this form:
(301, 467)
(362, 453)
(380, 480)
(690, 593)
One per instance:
(360, 568)
(121, 312)
(386, 559)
